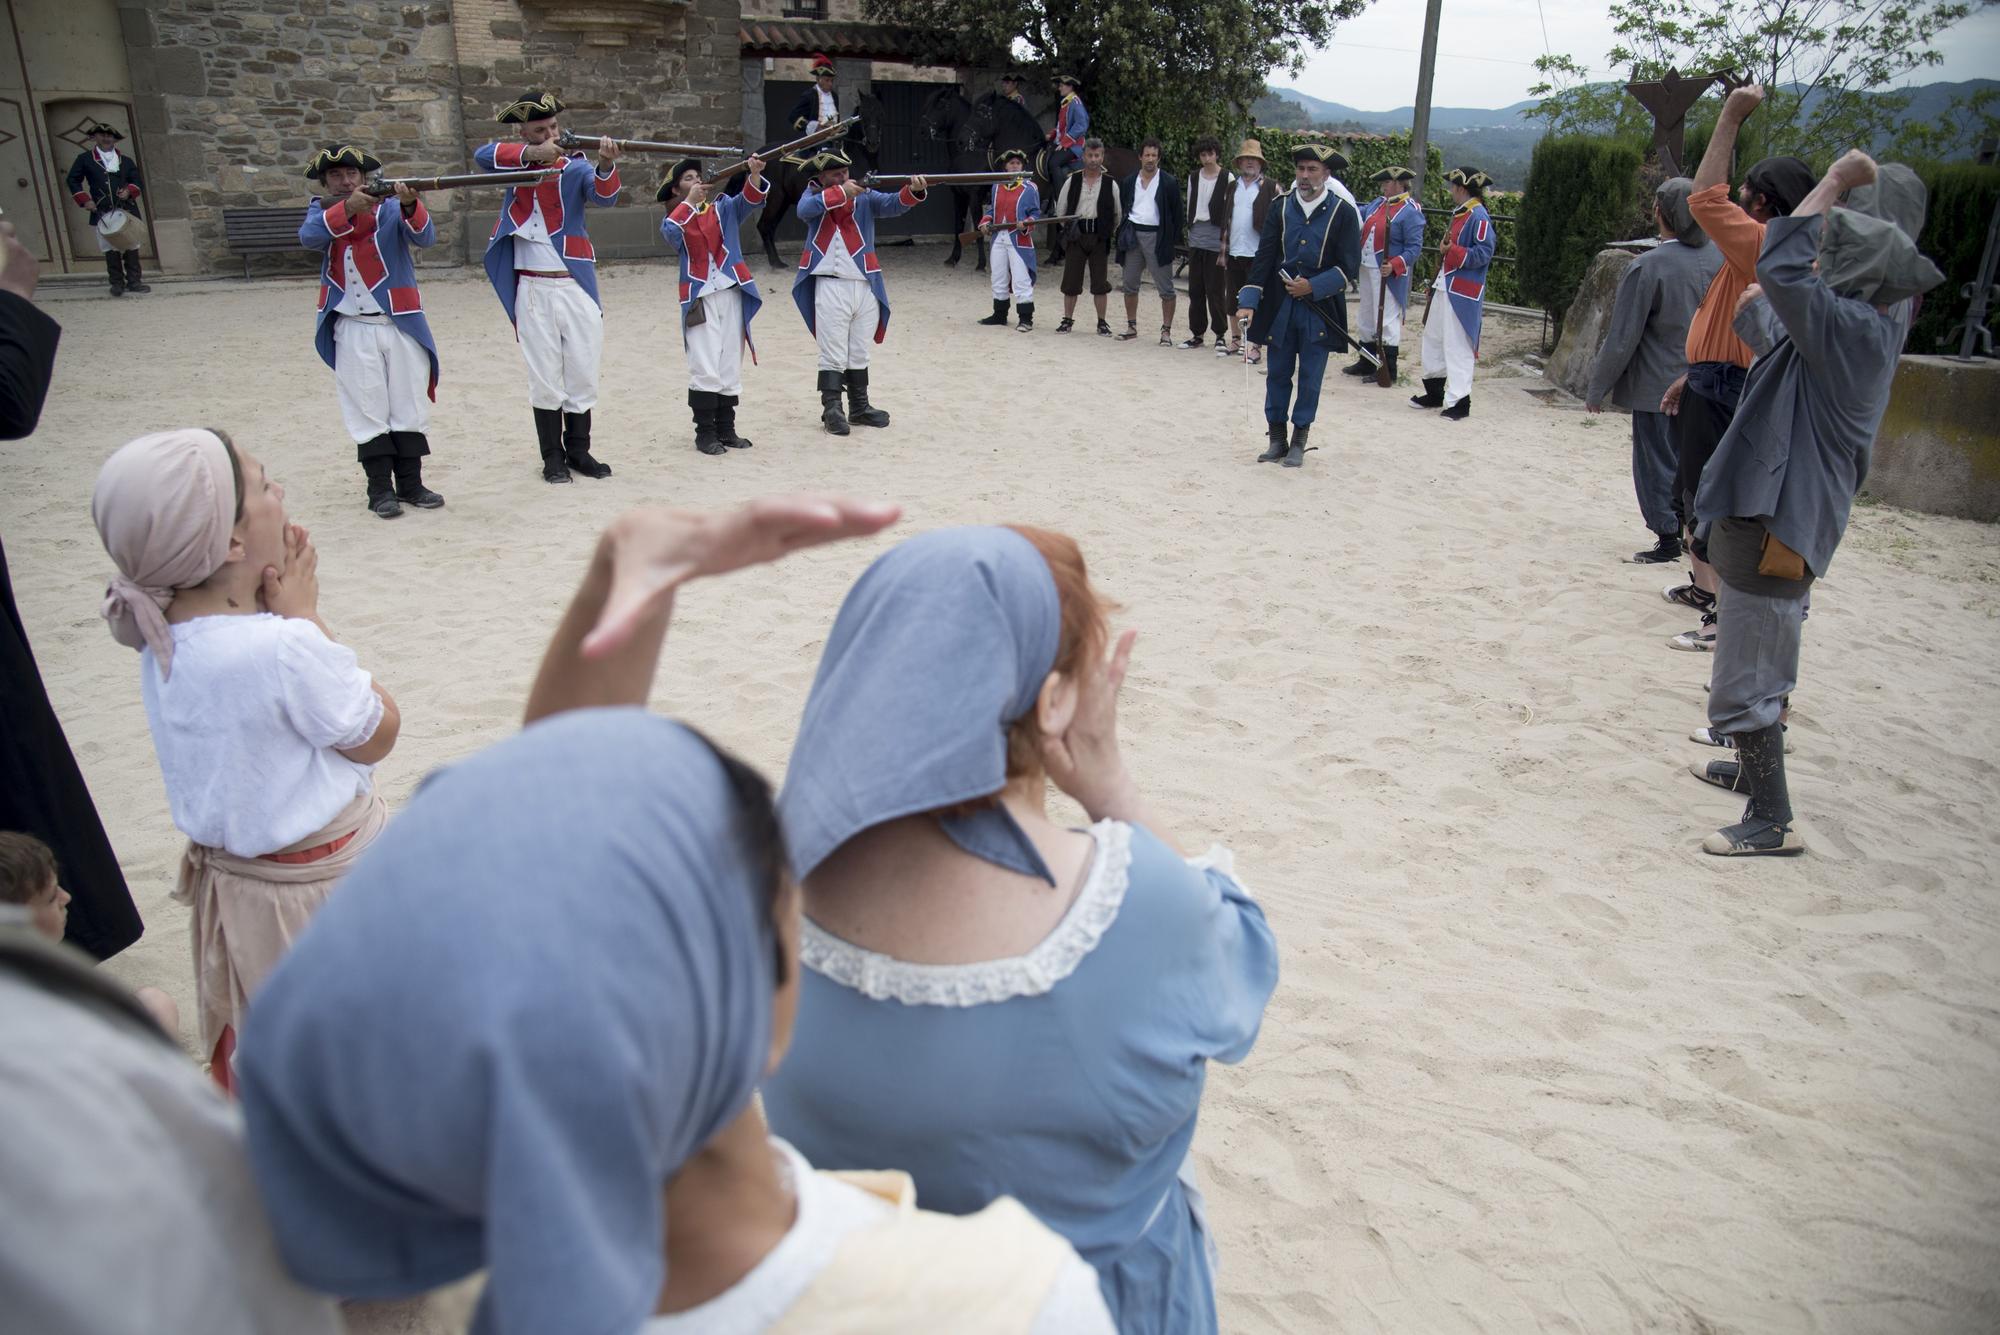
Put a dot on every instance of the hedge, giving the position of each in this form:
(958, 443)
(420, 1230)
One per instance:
(1961, 209)
(1579, 197)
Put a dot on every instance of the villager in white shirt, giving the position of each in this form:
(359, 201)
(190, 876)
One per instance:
(1152, 230)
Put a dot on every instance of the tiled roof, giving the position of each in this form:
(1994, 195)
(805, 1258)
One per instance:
(799, 37)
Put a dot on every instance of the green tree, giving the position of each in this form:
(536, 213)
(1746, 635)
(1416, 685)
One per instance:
(1579, 197)
(1172, 68)
(1827, 65)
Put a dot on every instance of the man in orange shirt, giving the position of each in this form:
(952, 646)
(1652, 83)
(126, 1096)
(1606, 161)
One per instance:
(1704, 400)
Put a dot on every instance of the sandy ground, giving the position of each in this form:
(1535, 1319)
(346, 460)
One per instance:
(1537, 1063)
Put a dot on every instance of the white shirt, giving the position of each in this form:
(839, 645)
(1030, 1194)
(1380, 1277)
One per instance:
(1146, 201)
(830, 1210)
(107, 158)
(827, 110)
(248, 729)
(355, 298)
(1310, 206)
(1204, 190)
(1242, 216)
(531, 244)
(839, 262)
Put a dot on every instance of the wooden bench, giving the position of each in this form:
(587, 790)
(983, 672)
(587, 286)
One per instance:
(262, 231)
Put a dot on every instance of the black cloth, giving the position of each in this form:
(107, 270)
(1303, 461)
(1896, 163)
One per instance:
(1172, 216)
(41, 789)
(1736, 548)
(1207, 281)
(1067, 195)
(105, 190)
(1235, 273)
(1698, 429)
(1086, 249)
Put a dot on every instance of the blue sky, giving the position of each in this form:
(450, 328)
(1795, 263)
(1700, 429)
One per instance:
(1487, 48)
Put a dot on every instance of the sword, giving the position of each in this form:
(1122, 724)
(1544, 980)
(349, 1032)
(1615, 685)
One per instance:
(1327, 320)
(825, 132)
(381, 187)
(577, 139)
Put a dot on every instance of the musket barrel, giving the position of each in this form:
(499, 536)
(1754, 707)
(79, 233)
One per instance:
(879, 179)
(382, 186)
(776, 151)
(583, 139)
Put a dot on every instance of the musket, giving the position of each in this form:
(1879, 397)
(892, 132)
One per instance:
(1335, 329)
(879, 181)
(381, 187)
(967, 238)
(577, 139)
(825, 132)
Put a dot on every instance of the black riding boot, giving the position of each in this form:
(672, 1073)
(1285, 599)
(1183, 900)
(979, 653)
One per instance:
(830, 415)
(1276, 449)
(411, 447)
(1433, 395)
(858, 409)
(548, 434)
(377, 458)
(1027, 310)
(576, 446)
(114, 265)
(1296, 456)
(133, 281)
(701, 403)
(1766, 827)
(999, 315)
(1389, 359)
(1361, 365)
(1459, 411)
(1667, 548)
(725, 422)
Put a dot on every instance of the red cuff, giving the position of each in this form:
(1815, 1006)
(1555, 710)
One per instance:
(910, 197)
(82, 199)
(131, 192)
(607, 186)
(834, 198)
(507, 157)
(418, 218)
(1397, 268)
(751, 193)
(1454, 256)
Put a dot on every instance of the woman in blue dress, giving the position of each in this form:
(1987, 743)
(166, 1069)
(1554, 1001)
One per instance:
(995, 1003)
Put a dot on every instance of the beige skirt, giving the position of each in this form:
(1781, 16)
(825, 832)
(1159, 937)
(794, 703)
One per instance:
(248, 911)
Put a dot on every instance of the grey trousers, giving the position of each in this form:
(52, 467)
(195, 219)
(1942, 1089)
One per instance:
(1655, 460)
(1756, 662)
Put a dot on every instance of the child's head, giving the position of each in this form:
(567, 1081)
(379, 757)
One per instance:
(28, 878)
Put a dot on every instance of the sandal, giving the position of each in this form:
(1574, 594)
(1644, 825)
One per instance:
(1103, 329)
(1131, 331)
(1254, 357)
(1166, 336)
(1066, 325)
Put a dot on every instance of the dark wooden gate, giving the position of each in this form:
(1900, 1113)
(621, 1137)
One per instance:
(905, 148)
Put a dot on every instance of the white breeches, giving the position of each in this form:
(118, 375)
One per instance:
(562, 340)
(715, 346)
(1010, 271)
(845, 314)
(1392, 310)
(1447, 350)
(382, 377)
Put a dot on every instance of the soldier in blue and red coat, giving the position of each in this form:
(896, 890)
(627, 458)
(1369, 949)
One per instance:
(719, 296)
(1011, 209)
(1071, 129)
(1392, 236)
(544, 270)
(371, 328)
(1451, 336)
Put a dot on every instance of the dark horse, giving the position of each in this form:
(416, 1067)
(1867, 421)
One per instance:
(947, 119)
(999, 124)
(788, 180)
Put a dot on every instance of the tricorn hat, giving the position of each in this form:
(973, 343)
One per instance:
(1001, 155)
(673, 178)
(821, 62)
(1394, 174)
(1325, 154)
(1069, 79)
(1010, 76)
(1250, 149)
(340, 155)
(1471, 178)
(99, 127)
(827, 159)
(533, 105)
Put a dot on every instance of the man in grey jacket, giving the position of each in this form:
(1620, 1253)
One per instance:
(1775, 497)
(1645, 351)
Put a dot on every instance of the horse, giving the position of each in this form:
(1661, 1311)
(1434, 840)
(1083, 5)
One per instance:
(999, 124)
(788, 180)
(946, 118)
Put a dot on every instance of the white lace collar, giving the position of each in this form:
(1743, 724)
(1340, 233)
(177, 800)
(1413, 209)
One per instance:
(883, 978)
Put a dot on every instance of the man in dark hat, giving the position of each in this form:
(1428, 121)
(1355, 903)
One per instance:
(1451, 334)
(719, 296)
(544, 270)
(817, 105)
(1703, 401)
(1392, 236)
(1071, 129)
(371, 328)
(839, 288)
(1009, 216)
(1010, 88)
(1296, 298)
(107, 182)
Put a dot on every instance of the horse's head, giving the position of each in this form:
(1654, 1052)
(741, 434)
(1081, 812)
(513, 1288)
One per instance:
(943, 111)
(868, 134)
(985, 119)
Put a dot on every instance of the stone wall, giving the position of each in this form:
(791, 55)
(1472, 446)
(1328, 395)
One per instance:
(1588, 321)
(1938, 449)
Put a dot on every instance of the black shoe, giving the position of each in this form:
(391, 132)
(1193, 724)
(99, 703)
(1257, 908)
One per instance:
(1103, 329)
(386, 506)
(702, 403)
(1361, 366)
(725, 422)
(1433, 395)
(1389, 360)
(830, 415)
(1668, 548)
(1296, 456)
(1067, 323)
(133, 274)
(548, 435)
(859, 411)
(1276, 449)
(410, 488)
(1459, 411)
(999, 315)
(576, 446)
(1027, 313)
(381, 490)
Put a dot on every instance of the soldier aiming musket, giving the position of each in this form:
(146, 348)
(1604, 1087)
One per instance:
(381, 187)
(577, 140)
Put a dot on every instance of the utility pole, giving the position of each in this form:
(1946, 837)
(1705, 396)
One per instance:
(1420, 123)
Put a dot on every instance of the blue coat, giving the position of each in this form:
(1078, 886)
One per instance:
(562, 210)
(1020, 203)
(1405, 240)
(1468, 253)
(827, 213)
(1072, 124)
(1326, 249)
(380, 239)
(728, 211)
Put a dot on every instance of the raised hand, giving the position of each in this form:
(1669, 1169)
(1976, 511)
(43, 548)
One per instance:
(543, 153)
(1084, 760)
(293, 589)
(407, 194)
(1854, 168)
(1742, 101)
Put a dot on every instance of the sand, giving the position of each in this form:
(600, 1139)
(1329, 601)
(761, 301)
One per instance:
(1536, 1063)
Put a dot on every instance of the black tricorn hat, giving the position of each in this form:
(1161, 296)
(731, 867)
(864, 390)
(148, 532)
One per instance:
(827, 159)
(533, 105)
(666, 190)
(99, 127)
(341, 155)
(1471, 178)
(1069, 79)
(1001, 155)
(1394, 174)
(1325, 154)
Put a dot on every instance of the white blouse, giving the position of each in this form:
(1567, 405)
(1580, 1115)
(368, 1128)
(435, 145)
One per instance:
(249, 729)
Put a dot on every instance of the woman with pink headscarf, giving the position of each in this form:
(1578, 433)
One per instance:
(267, 728)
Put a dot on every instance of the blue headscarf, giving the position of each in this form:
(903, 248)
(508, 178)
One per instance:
(545, 986)
(941, 644)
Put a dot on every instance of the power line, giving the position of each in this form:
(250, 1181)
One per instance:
(1442, 55)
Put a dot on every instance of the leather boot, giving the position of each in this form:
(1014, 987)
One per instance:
(830, 415)
(381, 490)
(548, 434)
(999, 315)
(725, 422)
(1027, 310)
(576, 446)
(1433, 395)
(858, 410)
(1389, 359)
(133, 281)
(1296, 456)
(115, 266)
(411, 447)
(1362, 366)
(1766, 827)
(1459, 411)
(1276, 449)
(701, 403)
